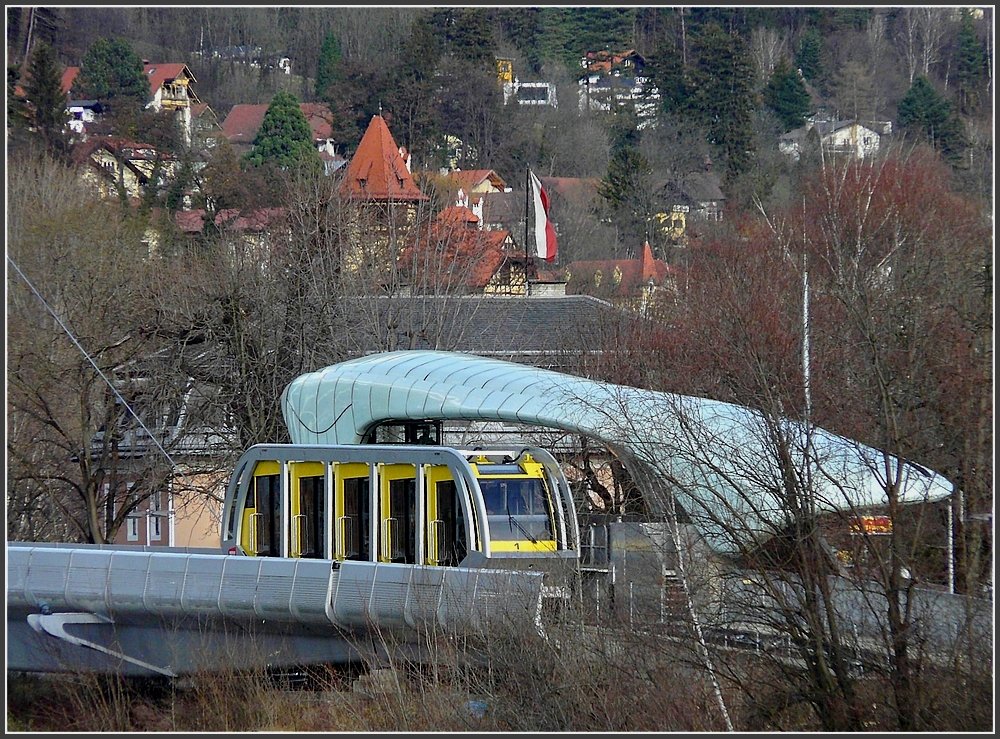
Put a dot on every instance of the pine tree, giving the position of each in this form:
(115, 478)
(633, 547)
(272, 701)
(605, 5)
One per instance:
(284, 138)
(329, 69)
(971, 65)
(113, 73)
(808, 56)
(787, 96)
(924, 112)
(47, 110)
(722, 99)
(667, 74)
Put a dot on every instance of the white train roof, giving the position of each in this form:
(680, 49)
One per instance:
(718, 460)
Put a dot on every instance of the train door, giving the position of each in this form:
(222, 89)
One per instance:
(308, 510)
(353, 511)
(446, 537)
(261, 530)
(398, 513)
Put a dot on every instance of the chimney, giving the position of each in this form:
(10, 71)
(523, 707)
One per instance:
(405, 155)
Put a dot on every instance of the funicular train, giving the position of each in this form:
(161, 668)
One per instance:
(330, 553)
(407, 504)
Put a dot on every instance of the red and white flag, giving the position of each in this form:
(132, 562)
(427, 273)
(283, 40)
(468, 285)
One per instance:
(545, 233)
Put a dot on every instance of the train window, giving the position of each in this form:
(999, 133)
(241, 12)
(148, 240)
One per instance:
(402, 512)
(357, 518)
(267, 502)
(449, 526)
(311, 507)
(516, 509)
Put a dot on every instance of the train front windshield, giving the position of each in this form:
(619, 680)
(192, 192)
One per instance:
(517, 509)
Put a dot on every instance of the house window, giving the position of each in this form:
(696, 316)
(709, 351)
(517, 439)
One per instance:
(132, 522)
(154, 519)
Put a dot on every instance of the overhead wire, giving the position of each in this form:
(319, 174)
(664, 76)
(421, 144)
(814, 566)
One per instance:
(90, 359)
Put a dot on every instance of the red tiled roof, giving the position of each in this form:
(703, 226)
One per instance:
(467, 179)
(129, 149)
(458, 214)
(156, 73)
(634, 274)
(243, 121)
(603, 61)
(459, 250)
(377, 171)
(193, 221)
(68, 77)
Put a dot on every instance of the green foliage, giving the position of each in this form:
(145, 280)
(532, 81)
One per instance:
(284, 138)
(807, 58)
(924, 112)
(972, 65)
(568, 33)
(180, 184)
(354, 99)
(722, 98)
(412, 92)
(667, 73)
(466, 33)
(625, 187)
(329, 69)
(521, 26)
(48, 101)
(786, 95)
(617, 187)
(112, 72)
(16, 113)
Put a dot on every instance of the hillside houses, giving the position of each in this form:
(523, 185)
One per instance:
(612, 79)
(170, 88)
(847, 137)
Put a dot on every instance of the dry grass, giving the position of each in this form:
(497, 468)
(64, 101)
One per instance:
(579, 680)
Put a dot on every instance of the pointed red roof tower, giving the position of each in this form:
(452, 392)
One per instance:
(650, 268)
(377, 171)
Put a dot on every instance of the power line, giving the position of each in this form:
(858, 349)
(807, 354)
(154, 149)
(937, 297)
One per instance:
(89, 358)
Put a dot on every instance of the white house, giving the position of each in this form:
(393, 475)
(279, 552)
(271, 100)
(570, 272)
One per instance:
(836, 137)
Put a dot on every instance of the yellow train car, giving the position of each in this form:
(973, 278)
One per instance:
(404, 504)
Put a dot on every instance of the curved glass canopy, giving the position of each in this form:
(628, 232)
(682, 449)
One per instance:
(736, 472)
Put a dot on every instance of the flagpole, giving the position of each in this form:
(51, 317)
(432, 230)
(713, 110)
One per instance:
(527, 195)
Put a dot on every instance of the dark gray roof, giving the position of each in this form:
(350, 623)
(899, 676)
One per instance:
(703, 186)
(517, 327)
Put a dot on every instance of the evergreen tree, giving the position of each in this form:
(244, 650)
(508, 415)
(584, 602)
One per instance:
(722, 96)
(413, 92)
(667, 73)
(807, 58)
(521, 26)
(625, 186)
(16, 114)
(284, 138)
(113, 73)
(464, 33)
(329, 69)
(926, 113)
(786, 95)
(47, 100)
(971, 65)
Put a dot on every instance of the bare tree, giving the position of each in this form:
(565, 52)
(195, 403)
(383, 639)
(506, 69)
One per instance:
(79, 317)
(768, 47)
